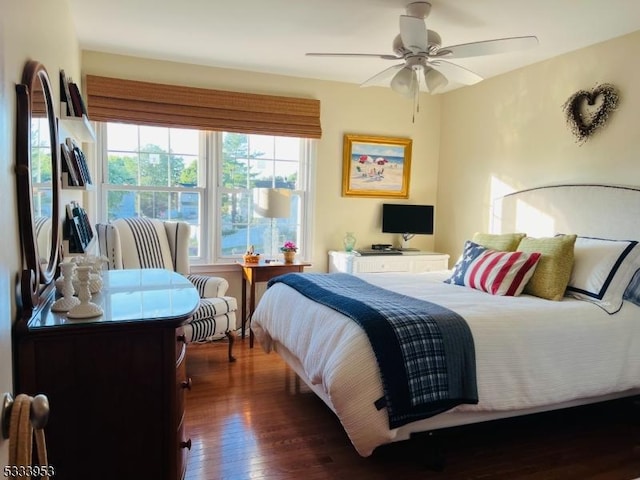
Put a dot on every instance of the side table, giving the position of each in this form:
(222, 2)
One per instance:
(253, 273)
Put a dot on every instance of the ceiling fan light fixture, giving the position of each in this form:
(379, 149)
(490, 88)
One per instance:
(405, 82)
(434, 80)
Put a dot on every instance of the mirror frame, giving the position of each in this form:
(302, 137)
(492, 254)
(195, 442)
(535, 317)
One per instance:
(36, 282)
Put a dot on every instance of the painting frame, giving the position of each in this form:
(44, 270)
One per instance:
(376, 166)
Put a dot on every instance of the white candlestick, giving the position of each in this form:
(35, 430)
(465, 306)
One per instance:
(68, 301)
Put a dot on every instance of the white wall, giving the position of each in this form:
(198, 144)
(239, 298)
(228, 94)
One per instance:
(509, 133)
(29, 30)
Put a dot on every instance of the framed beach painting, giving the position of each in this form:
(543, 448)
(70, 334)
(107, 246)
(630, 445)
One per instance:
(376, 166)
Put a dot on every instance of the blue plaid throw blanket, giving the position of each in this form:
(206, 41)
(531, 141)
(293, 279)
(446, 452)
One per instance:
(425, 352)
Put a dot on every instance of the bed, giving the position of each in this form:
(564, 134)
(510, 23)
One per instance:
(531, 354)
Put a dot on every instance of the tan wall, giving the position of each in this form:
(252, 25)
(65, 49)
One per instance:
(510, 133)
(505, 133)
(345, 108)
(30, 30)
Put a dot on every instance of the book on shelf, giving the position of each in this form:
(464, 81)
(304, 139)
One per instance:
(69, 165)
(79, 106)
(83, 229)
(80, 160)
(65, 94)
(71, 232)
(76, 244)
(78, 231)
(82, 163)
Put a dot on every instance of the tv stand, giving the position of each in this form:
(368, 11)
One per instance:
(405, 241)
(408, 262)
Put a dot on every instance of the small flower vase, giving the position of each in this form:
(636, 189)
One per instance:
(349, 241)
(289, 257)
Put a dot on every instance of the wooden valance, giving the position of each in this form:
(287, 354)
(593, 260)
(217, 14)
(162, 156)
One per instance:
(145, 103)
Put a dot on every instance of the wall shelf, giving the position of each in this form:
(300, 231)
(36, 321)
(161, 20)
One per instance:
(79, 128)
(66, 186)
(90, 249)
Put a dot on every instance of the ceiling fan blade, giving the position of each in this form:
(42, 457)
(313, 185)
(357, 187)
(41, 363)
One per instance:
(382, 77)
(413, 32)
(434, 80)
(405, 82)
(455, 73)
(488, 47)
(375, 55)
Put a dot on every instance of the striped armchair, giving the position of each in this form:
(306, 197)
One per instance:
(149, 243)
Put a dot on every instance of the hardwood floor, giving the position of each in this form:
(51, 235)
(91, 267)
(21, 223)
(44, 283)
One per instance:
(253, 419)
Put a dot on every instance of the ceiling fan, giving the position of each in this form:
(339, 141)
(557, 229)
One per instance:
(423, 55)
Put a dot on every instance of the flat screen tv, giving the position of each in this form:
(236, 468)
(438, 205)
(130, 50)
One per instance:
(408, 220)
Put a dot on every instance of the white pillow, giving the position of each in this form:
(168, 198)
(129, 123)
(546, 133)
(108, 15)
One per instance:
(602, 269)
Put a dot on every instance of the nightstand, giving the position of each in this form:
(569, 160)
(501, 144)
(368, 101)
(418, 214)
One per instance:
(253, 273)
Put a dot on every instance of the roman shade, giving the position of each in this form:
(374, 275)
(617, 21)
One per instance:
(146, 103)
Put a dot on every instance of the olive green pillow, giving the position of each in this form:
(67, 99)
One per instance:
(554, 268)
(504, 242)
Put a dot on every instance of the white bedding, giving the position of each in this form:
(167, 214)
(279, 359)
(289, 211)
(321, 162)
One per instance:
(530, 352)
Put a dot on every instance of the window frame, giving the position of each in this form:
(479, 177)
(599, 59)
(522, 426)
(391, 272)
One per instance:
(211, 194)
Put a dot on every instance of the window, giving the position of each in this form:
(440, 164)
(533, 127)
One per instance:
(41, 167)
(207, 179)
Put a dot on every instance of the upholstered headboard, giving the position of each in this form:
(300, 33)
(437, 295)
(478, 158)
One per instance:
(605, 211)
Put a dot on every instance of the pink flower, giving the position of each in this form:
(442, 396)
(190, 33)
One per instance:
(289, 246)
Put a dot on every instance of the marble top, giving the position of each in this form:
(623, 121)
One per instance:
(133, 296)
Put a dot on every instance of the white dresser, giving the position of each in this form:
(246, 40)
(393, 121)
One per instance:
(409, 262)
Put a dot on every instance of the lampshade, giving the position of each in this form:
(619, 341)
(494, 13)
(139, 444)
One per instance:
(272, 202)
(405, 82)
(434, 80)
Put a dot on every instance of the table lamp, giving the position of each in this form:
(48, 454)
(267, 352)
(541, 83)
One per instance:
(272, 203)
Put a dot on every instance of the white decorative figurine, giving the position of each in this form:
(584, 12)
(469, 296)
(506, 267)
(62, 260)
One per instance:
(67, 301)
(86, 309)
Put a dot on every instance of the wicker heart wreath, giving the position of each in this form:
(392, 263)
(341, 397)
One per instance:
(584, 116)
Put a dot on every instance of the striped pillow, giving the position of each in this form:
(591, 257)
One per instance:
(501, 273)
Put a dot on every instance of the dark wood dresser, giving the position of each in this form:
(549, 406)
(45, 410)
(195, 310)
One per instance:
(115, 383)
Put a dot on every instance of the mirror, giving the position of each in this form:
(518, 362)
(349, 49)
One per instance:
(38, 184)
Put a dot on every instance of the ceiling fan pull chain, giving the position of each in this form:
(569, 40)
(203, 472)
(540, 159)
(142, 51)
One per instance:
(416, 102)
(413, 110)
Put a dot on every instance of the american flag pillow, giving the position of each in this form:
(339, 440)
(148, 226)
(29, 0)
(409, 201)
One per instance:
(470, 252)
(497, 273)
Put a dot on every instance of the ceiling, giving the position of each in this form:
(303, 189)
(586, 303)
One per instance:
(272, 36)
